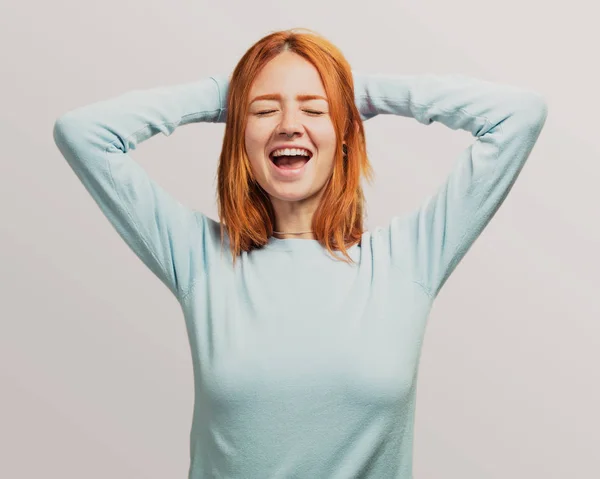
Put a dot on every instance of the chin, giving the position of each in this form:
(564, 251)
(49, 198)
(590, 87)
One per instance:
(290, 196)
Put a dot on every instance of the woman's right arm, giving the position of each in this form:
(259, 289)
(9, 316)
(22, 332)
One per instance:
(95, 140)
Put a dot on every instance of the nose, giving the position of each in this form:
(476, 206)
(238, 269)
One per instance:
(289, 125)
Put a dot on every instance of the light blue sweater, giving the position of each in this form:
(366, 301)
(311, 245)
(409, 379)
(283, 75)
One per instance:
(304, 366)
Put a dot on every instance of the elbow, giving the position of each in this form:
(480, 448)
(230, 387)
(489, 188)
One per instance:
(61, 126)
(58, 129)
(65, 128)
(536, 107)
(531, 108)
(62, 123)
(540, 106)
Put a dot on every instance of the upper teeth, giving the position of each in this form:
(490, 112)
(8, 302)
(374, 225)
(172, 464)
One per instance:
(291, 151)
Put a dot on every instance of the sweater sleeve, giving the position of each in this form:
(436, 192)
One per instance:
(95, 140)
(506, 122)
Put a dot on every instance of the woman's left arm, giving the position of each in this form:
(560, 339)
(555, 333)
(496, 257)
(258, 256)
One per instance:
(506, 122)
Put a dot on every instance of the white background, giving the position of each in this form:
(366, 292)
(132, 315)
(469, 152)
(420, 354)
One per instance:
(95, 367)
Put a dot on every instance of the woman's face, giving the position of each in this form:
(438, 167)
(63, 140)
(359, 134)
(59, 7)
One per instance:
(307, 122)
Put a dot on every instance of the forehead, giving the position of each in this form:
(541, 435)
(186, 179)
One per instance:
(288, 74)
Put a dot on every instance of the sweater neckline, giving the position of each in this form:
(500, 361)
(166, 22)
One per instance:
(298, 244)
(293, 244)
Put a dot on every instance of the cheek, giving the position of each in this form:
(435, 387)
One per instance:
(255, 149)
(253, 145)
(324, 134)
(326, 142)
(255, 138)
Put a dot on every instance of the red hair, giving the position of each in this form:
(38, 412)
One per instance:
(244, 207)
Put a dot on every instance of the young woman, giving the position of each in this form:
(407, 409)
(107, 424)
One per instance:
(305, 330)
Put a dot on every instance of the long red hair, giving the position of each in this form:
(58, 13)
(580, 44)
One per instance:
(244, 207)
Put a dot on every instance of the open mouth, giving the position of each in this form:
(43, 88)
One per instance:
(290, 161)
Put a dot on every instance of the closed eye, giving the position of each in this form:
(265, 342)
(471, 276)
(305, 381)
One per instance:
(310, 112)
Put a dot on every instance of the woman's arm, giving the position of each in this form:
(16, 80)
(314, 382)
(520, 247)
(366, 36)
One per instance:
(95, 140)
(506, 122)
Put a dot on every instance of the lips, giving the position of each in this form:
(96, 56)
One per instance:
(289, 174)
(272, 158)
(290, 146)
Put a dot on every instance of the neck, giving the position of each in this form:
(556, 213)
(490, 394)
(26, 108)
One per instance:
(300, 234)
(293, 219)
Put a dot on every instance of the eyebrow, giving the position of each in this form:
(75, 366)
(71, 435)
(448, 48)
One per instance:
(274, 96)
